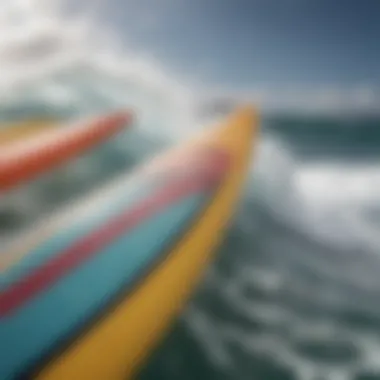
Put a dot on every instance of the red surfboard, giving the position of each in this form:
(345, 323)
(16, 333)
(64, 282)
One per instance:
(26, 159)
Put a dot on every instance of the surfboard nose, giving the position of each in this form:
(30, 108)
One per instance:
(242, 124)
(27, 159)
(237, 134)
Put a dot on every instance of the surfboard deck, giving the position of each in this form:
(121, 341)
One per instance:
(96, 288)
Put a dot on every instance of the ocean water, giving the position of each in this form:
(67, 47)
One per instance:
(293, 291)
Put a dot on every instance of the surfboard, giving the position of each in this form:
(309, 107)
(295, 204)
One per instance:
(89, 293)
(24, 160)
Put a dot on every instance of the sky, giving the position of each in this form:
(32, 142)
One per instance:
(320, 54)
(244, 42)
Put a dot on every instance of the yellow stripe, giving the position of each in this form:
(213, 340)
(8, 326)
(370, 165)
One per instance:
(117, 345)
(11, 133)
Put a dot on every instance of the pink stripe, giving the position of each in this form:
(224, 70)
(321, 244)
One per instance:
(51, 271)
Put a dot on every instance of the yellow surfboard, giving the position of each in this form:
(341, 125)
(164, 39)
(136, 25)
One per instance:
(97, 288)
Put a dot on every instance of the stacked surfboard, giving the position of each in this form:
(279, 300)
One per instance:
(88, 293)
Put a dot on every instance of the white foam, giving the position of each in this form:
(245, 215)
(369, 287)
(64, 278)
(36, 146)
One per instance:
(209, 336)
(40, 44)
(339, 198)
(335, 203)
(60, 59)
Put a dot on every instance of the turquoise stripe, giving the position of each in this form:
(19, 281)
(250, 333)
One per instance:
(31, 330)
(118, 201)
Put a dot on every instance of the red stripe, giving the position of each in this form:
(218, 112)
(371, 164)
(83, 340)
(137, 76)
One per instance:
(28, 159)
(84, 249)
